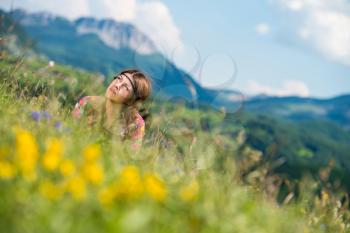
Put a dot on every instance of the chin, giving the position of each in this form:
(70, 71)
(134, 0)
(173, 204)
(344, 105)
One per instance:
(112, 97)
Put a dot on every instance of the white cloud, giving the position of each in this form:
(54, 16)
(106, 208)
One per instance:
(151, 17)
(326, 26)
(288, 88)
(294, 5)
(155, 19)
(121, 10)
(262, 28)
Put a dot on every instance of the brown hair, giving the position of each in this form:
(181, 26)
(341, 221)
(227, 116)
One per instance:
(142, 89)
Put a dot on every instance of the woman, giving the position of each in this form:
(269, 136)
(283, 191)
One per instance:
(117, 111)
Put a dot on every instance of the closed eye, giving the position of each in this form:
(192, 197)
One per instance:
(126, 86)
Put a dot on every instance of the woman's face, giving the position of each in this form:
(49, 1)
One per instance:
(120, 89)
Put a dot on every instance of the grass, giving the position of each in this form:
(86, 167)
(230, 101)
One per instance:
(57, 175)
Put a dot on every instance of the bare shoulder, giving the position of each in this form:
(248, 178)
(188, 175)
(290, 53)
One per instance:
(139, 120)
(89, 106)
(95, 101)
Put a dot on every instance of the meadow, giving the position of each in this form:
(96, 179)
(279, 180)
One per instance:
(57, 175)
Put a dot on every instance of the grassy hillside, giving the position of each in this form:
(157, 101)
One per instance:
(300, 109)
(301, 146)
(194, 173)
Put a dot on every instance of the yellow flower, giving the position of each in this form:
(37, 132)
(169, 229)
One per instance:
(77, 187)
(53, 154)
(190, 191)
(92, 152)
(26, 153)
(130, 173)
(67, 167)
(50, 190)
(155, 187)
(93, 172)
(7, 170)
(4, 151)
(106, 196)
(130, 183)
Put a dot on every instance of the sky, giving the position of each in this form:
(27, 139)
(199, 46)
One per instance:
(274, 47)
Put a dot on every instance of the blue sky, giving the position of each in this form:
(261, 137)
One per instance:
(279, 47)
(267, 62)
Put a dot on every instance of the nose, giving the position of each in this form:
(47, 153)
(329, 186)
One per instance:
(117, 85)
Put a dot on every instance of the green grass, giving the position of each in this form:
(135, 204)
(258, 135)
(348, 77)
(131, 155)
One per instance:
(184, 178)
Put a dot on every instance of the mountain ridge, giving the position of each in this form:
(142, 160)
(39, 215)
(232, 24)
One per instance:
(59, 40)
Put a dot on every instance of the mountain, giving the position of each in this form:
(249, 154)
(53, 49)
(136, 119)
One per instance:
(335, 109)
(116, 35)
(107, 46)
(12, 37)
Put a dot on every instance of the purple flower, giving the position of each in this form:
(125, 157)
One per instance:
(58, 124)
(40, 115)
(35, 115)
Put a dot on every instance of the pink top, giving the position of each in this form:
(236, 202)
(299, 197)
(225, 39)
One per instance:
(85, 108)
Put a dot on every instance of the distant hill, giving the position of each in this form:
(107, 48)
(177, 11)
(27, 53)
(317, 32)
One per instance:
(13, 37)
(107, 46)
(335, 109)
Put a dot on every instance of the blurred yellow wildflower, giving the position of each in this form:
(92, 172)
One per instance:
(130, 183)
(53, 154)
(50, 190)
(190, 191)
(77, 187)
(67, 167)
(93, 173)
(106, 196)
(4, 151)
(26, 153)
(92, 152)
(7, 170)
(155, 187)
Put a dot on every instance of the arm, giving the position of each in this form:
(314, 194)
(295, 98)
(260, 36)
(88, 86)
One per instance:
(137, 137)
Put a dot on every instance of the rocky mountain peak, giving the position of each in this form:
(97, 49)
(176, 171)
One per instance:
(116, 34)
